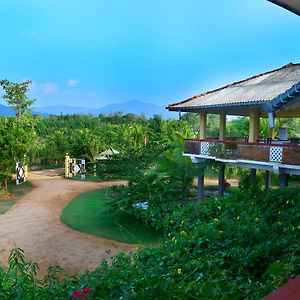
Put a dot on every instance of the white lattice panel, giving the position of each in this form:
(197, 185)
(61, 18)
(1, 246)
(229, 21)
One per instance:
(204, 148)
(276, 154)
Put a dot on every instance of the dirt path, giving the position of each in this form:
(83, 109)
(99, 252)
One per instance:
(34, 225)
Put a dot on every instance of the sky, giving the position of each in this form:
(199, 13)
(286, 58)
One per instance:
(93, 53)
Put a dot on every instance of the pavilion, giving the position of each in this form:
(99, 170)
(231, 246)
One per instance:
(273, 94)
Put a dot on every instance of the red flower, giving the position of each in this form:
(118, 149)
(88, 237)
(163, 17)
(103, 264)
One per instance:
(78, 294)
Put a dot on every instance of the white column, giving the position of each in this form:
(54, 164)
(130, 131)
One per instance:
(254, 125)
(203, 121)
(222, 134)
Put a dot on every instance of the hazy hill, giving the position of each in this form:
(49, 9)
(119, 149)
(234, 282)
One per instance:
(135, 107)
(6, 111)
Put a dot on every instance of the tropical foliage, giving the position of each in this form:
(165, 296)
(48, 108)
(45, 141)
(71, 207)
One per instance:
(239, 247)
(16, 134)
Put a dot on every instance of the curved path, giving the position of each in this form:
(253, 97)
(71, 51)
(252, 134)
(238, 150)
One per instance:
(34, 225)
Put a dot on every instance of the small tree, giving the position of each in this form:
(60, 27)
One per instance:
(15, 96)
(16, 140)
(16, 134)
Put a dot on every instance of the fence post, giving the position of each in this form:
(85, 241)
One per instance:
(26, 172)
(26, 168)
(67, 165)
(95, 169)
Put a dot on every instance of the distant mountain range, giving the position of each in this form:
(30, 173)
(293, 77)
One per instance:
(135, 107)
(8, 112)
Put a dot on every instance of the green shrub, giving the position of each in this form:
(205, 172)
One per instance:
(240, 247)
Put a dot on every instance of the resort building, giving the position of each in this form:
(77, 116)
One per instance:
(273, 94)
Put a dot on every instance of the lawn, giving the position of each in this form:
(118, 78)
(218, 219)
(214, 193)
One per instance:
(16, 192)
(88, 177)
(91, 212)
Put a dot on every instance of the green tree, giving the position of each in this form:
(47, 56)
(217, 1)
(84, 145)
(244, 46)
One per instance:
(15, 96)
(16, 134)
(16, 140)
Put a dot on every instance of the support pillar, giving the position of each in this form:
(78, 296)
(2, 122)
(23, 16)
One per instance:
(283, 180)
(254, 126)
(221, 185)
(272, 133)
(253, 177)
(222, 133)
(202, 129)
(26, 167)
(200, 194)
(67, 165)
(267, 180)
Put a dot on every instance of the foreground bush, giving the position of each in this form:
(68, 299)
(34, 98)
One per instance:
(239, 247)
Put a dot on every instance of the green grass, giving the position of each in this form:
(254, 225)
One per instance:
(87, 178)
(16, 192)
(91, 212)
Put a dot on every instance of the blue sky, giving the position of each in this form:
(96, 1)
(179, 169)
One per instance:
(93, 52)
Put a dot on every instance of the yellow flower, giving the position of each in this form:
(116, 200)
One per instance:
(216, 219)
(219, 207)
(179, 271)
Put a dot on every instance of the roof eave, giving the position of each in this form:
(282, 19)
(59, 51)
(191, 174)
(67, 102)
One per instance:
(283, 100)
(217, 106)
(286, 6)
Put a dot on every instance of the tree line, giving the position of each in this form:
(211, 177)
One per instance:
(46, 140)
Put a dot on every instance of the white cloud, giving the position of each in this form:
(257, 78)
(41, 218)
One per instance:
(50, 87)
(73, 82)
(42, 87)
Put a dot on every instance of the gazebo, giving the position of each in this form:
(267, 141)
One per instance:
(107, 153)
(273, 94)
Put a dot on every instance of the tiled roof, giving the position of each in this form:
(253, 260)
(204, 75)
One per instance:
(108, 152)
(256, 90)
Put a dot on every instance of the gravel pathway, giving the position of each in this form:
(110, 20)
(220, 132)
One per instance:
(34, 225)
